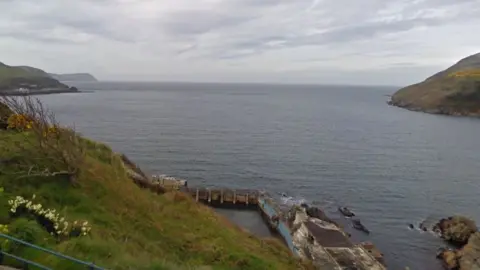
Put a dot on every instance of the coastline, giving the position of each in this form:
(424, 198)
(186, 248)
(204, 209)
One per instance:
(436, 111)
(46, 91)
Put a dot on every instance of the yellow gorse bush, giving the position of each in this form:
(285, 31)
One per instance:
(22, 122)
(19, 122)
(50, 131)
(466, 73)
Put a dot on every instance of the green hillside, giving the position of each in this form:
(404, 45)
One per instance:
(15, 77)
(454, 91)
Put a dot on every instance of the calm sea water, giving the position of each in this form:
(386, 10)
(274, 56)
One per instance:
(331, 145)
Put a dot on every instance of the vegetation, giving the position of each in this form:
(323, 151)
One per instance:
(23, 76)
(128, 227)
(454, 91)
(466, 73)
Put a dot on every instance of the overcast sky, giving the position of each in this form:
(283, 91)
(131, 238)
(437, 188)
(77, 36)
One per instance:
(392, 42)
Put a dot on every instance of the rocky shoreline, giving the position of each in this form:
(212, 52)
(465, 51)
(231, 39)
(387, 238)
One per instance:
(463, 234)
(438, 111)
(45, 91)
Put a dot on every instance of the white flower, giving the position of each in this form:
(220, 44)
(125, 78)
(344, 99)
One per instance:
(33, 197)
(85, 223)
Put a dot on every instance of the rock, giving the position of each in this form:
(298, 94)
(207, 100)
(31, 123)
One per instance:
(462, 232)
(316, 212)
(411, 226)
(456, 230)
(449, 258)
(423, 227)
(470, 253)
(346, 212)
(357, 224)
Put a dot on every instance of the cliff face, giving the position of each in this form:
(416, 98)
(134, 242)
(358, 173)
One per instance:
(454, 91)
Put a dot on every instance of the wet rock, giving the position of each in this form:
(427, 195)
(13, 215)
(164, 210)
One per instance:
(411, 226)
(346, 212)
(423, 227)
(456, 230)
(357, 224)
(316, 212)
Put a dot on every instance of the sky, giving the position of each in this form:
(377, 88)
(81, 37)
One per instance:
(370, 42)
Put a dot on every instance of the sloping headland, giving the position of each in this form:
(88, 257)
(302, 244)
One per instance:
(25, 80)
(454, 91)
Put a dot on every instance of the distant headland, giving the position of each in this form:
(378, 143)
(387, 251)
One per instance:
(26, 80)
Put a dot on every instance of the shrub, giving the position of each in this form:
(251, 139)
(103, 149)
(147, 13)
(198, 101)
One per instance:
(26, 230)
(19, 122)
(4, 243)
(5, 113)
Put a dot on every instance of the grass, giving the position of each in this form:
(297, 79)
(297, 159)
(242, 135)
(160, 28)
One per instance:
(12, 77)
(132, 228)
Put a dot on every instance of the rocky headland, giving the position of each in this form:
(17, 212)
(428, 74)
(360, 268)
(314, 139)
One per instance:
(454, 91)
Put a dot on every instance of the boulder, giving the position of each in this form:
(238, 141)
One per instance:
(470, 253)
(456, 230)
(449, 258)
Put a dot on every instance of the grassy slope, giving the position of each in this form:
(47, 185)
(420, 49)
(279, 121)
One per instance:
(27, 74)
(452, 94)
(131, 228)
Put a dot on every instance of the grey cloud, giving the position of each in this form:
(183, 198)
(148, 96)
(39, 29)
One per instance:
(79, 17)
(211, 36)
(236, 46)
(196, 22)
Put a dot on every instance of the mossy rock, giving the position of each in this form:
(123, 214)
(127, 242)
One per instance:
(456, 229)
(470, 253)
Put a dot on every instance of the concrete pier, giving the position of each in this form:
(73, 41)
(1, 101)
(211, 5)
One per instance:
(321, 241)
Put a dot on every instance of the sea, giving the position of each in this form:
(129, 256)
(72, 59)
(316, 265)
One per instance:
(329, 146)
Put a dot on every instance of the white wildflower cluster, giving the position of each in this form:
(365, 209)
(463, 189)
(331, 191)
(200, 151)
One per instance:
(60, 225)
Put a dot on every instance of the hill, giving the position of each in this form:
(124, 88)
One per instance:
(122, 226)
(454, 91)
(74, 77)
(14, 77)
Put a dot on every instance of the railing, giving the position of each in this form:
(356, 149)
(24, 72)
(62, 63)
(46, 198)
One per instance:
(26, 263)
